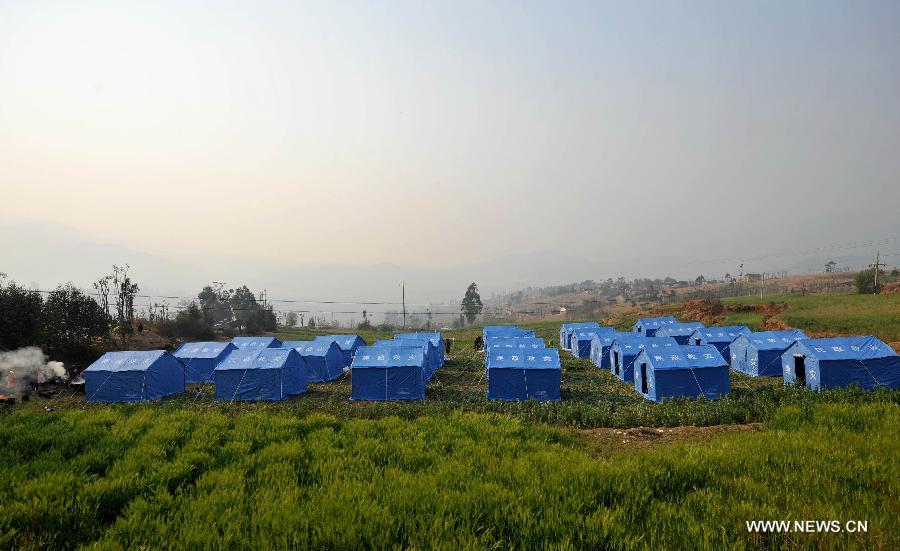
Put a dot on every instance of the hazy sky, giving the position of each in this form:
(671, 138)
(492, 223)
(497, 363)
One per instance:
(439, 134)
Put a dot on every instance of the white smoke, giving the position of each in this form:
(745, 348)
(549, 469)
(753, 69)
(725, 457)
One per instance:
(25, 366)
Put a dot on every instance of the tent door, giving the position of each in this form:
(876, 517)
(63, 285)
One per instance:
(616, 361)
(643, 378)
(800, 370)
(697, 342)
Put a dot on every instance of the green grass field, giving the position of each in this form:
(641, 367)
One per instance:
(455, 470)
(850, 314)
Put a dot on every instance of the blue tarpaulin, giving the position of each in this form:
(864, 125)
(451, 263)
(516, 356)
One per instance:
(269, 374)
(626, 348)
(680, 331)
(201, 358)
(600, 344)
(254, 343)
(349, 344)
(324, 359)
(648, 326)
(842, 361)
(490, 331)
(432, 362)
(529, 374)
(720, 336)
(388, 373)
(681, 372)
(759, 354)
(436, 339)
(133, 377)
(581, 339)
(514, 342)
(565, 332)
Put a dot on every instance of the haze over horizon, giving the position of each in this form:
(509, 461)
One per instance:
(325, 150)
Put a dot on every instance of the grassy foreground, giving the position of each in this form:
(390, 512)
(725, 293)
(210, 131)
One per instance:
(137, 477)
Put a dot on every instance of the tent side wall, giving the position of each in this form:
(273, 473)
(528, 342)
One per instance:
(114, 386)
(712, 382)
(512, 384)
(334, 363)
(387, 383)
(198, 370)
(164, 377)
(869, 374)
(248, 384)
(740, 352)
(768, 363)
(293, 376)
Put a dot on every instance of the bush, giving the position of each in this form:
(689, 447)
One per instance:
(190, 323)
(73, 322)
(865, 281)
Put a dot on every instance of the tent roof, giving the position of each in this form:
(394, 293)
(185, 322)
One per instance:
(583, 333)
(656, 322)
(202, 350)
(682, 328)
(253, 342)
(345, 342)
(608, 338)
(638, 342)
(774, 340)
(310, 348)
(515, 342)
(685, 357)
(540, 358)
(127, 361)
(258, 358)
(722, 333)
(389, 356)
(847, 348)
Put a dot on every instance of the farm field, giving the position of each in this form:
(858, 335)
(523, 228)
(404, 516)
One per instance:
(600, 469)
(851, 314)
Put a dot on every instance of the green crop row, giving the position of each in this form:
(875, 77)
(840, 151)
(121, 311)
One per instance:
(117, 478)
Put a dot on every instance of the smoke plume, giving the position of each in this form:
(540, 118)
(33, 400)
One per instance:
(23, 367)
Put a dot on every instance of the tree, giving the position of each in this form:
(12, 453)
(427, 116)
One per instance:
(830, 266)
(125, 291)
(700, 280)
(312, 321)
(471, 304)
(73, 322)
(215, 304)
(20, 316)
(290, 319)
(865, 281)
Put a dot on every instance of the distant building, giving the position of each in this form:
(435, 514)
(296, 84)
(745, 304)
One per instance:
(753, 277)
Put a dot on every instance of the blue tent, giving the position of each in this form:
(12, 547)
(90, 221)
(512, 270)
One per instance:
(581, 339)
(625, 349)
(720, 336)
(269, 374)
(436, 339)
(600, 344)
(521, 376)
(349, 344)
(759, 354)
(837, 362)
(432, 361)
(324, 359)
(489, 331)
(566, 329)
(255, 343)
(133, 377)
(680, 331)
(388, 373)
(648, 326)
(514, 342)
(682, 372)
(200, 358)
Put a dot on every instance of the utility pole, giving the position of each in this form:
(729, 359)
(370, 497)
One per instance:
(878, 266)
(403, 285)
